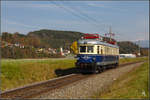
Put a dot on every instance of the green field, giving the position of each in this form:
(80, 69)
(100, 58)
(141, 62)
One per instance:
(16, 73)
(21, 72)
(132, 85)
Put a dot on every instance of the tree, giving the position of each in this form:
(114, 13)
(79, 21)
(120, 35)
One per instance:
(74, 47)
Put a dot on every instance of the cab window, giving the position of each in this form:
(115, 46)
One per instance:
(82, 48)
(90, 49)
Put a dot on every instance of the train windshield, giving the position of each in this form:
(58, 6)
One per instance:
(82, 48)
(88, 49)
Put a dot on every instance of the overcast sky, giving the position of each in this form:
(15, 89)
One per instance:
(129, 19)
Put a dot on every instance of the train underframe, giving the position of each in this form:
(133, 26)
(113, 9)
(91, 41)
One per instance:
(94, 67)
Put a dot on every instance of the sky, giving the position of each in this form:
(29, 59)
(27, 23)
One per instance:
(129, 20)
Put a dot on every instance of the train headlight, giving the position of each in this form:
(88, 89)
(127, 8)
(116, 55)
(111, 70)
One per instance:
(77, 58)
(94, 58)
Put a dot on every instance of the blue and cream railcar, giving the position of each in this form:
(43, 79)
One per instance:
(95, 56)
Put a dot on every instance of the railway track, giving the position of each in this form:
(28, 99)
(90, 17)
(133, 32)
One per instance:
(33, 90)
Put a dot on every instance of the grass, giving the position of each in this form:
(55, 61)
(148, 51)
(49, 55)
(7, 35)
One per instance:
(16, 73)
(124, 60)
(132, 85)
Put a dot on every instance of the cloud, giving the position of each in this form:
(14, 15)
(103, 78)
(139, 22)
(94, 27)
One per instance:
(117, 3)
(14, 26)
(70, 25)
(32, 4)
(96, 5)
(29, 4)
(21, 24)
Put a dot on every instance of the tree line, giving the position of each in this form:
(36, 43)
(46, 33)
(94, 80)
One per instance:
(49, 39)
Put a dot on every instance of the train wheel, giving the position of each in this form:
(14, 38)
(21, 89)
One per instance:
(100, 69)
(78, 70)
(104, 68)
(96, 70)
(116, 65)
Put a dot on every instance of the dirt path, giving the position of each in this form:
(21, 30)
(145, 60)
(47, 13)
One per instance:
(87, 87)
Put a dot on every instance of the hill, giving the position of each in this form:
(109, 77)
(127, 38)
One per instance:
(131, 47)
(37, 44)
(55, 39)
(127, 47)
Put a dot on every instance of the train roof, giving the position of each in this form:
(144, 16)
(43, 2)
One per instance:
(98, 42)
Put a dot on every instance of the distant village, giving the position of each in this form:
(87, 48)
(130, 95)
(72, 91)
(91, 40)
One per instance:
(19, 50)
(38, 50)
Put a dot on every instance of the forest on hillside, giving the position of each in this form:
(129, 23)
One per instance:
(43, 38)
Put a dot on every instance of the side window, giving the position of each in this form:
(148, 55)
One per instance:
(90, 49)
(101, 50)
(117, 51)
(104, 50)
(82, 48)
(108, 51)
(97, 49)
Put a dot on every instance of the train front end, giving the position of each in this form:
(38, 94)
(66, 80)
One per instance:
(87, 57)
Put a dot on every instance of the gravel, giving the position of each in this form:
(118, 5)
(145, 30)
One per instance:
(87, 87)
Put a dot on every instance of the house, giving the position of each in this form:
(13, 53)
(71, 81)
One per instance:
(127, 55)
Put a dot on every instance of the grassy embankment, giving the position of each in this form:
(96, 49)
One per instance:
(21, 72)
(127, 60)
(17, 73)
(131, 85)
